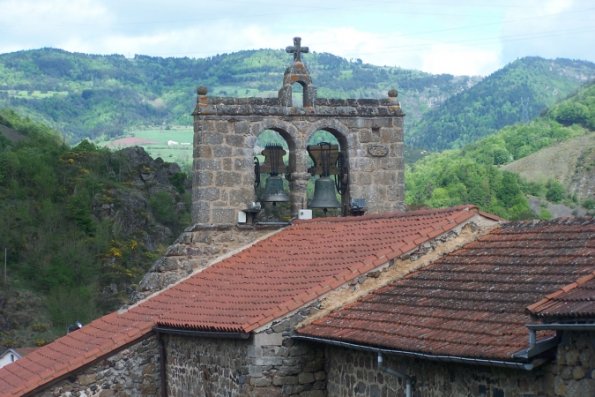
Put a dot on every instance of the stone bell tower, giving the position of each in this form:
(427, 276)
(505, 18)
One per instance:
(369, 133)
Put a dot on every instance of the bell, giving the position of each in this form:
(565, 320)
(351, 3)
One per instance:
(325, 195)
(273, 191)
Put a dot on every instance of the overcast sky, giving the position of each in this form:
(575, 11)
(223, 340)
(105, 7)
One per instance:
(436, 36)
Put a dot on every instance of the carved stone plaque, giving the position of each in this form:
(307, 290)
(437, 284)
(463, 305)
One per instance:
(377, 150)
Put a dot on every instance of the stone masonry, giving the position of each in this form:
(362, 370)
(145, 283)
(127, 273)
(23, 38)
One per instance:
(266, 364)
(133, 371)
(574, 368)
(357, 373)
(369, 133)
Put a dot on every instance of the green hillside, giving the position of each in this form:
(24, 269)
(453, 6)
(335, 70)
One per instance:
(572, 163)
(472, 174)
(516, 93)
(101, 96)
(79, 226)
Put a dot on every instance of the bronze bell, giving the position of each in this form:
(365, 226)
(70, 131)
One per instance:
(325, 195)
(273, 191)
(273, 165)
(324, 156)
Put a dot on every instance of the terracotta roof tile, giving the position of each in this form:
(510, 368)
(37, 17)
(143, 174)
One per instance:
(247, 290)
(571, 302)
(472, 302)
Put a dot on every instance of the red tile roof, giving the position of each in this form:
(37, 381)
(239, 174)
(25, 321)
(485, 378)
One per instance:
(245, 291)
(574, 301)
(470, 303)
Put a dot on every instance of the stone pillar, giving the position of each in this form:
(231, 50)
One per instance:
(298, 191)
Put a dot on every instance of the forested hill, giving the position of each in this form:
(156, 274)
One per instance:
(517, 93)
(79, 225)
(94, 95)
(477, 172)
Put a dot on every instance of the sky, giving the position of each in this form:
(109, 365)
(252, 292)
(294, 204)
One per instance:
(436, 36)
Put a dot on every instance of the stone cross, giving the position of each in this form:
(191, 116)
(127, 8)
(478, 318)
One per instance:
(297, 49)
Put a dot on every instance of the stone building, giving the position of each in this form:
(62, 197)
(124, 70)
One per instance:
(227, 329)
(442, 302)
(426, 303)
(475, 322)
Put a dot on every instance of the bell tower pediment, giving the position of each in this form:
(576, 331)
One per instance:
(297, 72)
(366, 167)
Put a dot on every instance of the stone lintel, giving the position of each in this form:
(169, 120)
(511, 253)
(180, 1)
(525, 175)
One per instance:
(271, 106)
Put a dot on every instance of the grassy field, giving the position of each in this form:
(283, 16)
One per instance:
(35, 94)
(172, 145)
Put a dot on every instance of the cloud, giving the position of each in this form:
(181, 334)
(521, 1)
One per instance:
(459, 60)
(34, 24)
(393, 49)
(554, 28)
(437, 38)
(556, 6)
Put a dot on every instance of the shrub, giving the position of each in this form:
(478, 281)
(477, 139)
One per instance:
(554, 191)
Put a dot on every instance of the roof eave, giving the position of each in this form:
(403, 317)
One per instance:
(38, 388)
(577, 325)
(201, 333)
(525, 365)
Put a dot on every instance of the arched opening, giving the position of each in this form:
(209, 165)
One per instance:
(327, 189)
(273, 162)
(297, 95)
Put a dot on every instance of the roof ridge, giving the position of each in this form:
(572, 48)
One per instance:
(562, 221)
(396, 214)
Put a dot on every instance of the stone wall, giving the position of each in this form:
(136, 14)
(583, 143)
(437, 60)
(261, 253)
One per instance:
(281, 366)
(369, 132)
(206, 367)
(268, 364)
(131, 372)
(356, 373)
(574, 367)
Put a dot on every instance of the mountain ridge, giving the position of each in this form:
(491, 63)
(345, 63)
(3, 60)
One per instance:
(519, 92)
(89, 95)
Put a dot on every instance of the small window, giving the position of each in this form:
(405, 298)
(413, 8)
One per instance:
(297, 95)
(498, 392)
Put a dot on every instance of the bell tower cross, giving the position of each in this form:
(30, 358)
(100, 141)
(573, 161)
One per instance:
(297, 49)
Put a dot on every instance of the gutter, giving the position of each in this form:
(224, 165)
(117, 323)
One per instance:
(528, 366)
(562, 326)
(202, 334)
(537, 347)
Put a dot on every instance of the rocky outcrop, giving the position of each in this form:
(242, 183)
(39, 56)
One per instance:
(571, 163)
(133, 208)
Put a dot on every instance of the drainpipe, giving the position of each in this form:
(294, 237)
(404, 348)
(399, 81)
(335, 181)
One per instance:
(162, 365)
(532, 338)
(394, 372)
